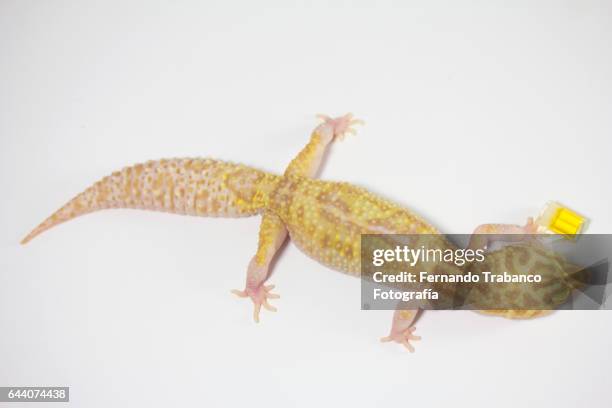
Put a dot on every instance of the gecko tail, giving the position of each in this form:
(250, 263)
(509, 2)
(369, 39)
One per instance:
(201, 187)
(67, 212)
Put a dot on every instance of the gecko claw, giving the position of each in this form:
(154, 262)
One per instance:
(259, 296)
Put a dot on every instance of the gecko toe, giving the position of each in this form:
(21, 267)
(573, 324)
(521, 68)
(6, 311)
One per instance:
(268, 306)
(408, 346)
(239, 293)
(256, 312)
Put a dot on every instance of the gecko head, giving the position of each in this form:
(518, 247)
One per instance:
(535, 278)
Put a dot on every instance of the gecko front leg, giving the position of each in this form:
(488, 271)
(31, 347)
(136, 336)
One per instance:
(402, 329)
(486, 234)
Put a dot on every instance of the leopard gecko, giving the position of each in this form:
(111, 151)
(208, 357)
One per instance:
(324, 219)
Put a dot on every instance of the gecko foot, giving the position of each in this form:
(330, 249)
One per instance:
(402, 337)
(259, 296)
(342, 125)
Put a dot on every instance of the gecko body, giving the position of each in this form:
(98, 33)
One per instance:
(324, 219)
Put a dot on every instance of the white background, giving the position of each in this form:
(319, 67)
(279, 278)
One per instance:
(476, 112)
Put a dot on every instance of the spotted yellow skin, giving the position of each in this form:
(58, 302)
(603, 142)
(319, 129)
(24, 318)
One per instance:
(201, 187)
(326, 219)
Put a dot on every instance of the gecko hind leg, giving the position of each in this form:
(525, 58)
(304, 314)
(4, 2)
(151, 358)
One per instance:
(402, 329)
(272, 231)
(272, 234)
(308, 161)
